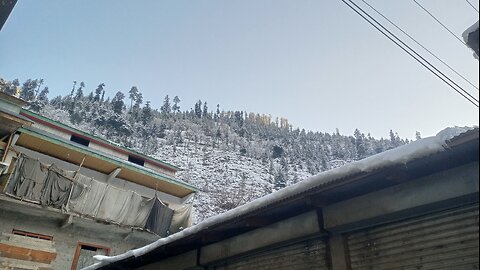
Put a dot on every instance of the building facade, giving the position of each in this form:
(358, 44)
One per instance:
(67, 195)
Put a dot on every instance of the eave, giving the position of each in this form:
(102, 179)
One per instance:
(36, 140)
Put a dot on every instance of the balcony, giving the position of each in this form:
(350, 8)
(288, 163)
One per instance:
(48, 186)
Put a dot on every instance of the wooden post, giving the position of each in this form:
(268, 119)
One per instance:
(7, 147)
(71, 189)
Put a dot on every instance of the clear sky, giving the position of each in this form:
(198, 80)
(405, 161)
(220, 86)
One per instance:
(314, 62)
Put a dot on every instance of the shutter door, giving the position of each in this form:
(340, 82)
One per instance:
(309, 254)
(444, 240)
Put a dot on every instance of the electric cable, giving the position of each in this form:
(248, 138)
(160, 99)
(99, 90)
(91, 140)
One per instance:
(444, 26)
(419, 44)
(466, 95)
(472, 6)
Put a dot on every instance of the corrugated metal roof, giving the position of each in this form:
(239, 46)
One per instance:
(345, 175)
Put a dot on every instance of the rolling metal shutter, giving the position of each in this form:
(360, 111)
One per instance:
(444, 240)
(308, 254)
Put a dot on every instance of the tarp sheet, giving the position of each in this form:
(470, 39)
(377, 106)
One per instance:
(115, 204)
(182, 218)
(102, 201)
(139, 209)
(77, 193)
(159, 219)
(86, 196)
(56, 189)
(28, 179)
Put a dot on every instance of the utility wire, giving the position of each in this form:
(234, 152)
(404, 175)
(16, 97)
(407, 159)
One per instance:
(472, 6)
(419, 44)
(435, 18)
(404, 49)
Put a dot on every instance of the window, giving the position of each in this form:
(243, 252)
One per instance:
(136, 160)
(79, 140)
(84, 254)
(33, 235)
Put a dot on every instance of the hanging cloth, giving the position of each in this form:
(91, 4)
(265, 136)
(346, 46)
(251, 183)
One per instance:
(115, 204)
(57, 187)
(159, 219)
(28, 179)
(182, 218)
(139, 210)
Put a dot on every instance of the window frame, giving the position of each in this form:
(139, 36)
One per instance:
(79, 248)
(32, 235)
(79, 140)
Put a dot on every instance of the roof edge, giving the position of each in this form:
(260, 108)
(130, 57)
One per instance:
(147, 171)
(29, 113)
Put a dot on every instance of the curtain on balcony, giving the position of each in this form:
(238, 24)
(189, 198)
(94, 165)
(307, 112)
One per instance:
(28, 179)
(77, 193)
(160, 218)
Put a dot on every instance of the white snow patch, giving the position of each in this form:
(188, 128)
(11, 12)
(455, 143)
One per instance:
(400, 155)
(467, 32)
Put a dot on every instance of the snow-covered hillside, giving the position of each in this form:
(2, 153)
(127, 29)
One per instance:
(232, 157)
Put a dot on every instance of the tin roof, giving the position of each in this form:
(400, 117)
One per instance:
(448, 149)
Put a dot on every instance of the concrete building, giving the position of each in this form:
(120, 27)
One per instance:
(414, 207)
(66, 195)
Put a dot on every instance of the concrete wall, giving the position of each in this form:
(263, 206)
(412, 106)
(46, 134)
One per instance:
(103, 149)
(158, 168)
(53, 131)
(108, 151)
(66, 239)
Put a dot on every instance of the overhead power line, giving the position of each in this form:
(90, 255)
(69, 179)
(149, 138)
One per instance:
(472, 6)
(443, 25)
(419, 44)
(410, 51)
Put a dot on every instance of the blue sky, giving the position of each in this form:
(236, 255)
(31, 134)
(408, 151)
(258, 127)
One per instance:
(314, 62)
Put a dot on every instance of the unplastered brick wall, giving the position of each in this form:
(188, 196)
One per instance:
(60, 253)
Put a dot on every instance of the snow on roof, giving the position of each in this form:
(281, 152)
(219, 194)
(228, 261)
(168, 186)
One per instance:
(401, 155)
(469, 31)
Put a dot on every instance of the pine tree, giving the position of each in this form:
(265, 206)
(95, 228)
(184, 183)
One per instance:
(28, 90)
(198, 109)
(205, 110)
(98, 92)
(133, 94)
(11, 89)
(418, 136)
(216, 117)
(79, 94)
(73, 88)
(117, 102)
(166, 109)
(39, 84)
(176, 106)
(359, 144)
(147, 113)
